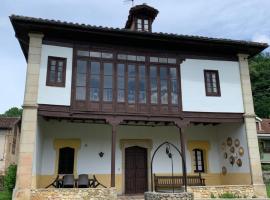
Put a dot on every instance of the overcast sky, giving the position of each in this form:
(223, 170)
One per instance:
(234, 19)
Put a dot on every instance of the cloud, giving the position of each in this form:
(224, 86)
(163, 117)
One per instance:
(261, 38)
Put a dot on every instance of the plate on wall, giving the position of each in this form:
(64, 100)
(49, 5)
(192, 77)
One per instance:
(232, 149)
(239, 162)
(232, 160)
(236, 143)
(229, 141)
(241, 151)
(225, 155)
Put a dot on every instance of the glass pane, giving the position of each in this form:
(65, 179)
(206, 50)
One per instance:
(162, 60)
(142, 71)
(59, 77)
(60, 63)
(122, 56)
(80, 93)
(174, 85)
(131, 70)
(141, 58)
(83, 53)
(142, 97)
(153, 59)
(108, 68)
(121, 95)
(81, 66)
(153, 71)
(108, 82)
(121, 83)
(107, 55)
(52, 67)
(174, 98)
(172, 60)
(53, 62)
(163, 72)
(142, 84)
(173, 72)
(52, 76)
(146, 21)
(94, 94)
(81, 80)
(131, 57)
(107, 95)
(95, 54)
(146, 27)
(121, 69)
(94, 81)
(60, 69)
(131, 90)
(153, 91)
(164, 92)
(95, 67)
(139, 21)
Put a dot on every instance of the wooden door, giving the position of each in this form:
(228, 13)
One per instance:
(135, 170)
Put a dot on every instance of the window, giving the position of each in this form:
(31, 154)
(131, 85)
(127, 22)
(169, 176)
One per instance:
(153, 81)
(174, 88)
(56, 72)
(142, 84)
(81, 79)
(108, 82)
(120, 82)
(198, 160)
(131, 83)
(66, 160)
(94, 81)
(266, 146)
(143, 25)
(212, 87)
(164, 85)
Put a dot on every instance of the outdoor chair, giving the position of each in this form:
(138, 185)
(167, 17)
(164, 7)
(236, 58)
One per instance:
(83, 181)
(68, 181)
(94, 183)
(56, 183)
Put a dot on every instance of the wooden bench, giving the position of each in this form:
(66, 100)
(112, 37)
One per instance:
(163, 183)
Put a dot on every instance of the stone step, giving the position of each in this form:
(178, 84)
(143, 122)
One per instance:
(130, 197)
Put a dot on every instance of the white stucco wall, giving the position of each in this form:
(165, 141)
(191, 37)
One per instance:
(2, 149)
(193, 87)
(97, 138)
(54, 95)
(235, 131)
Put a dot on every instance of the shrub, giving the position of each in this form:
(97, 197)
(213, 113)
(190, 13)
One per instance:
(10, 178)
(228, 195)
(212, 196)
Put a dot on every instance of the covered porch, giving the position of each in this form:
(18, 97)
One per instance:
(205, 146)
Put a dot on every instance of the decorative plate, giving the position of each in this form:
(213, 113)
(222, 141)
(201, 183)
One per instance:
(241, 151)
(224, 170)
(225, 155)
(236, 143)
(232, 149)
(239, 162)
(232, 160)
(229, 141)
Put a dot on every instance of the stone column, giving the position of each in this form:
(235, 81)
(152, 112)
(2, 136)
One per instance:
(250, 126)
(25, 179)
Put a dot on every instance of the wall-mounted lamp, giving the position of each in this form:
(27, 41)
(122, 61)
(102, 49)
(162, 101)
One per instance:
(101, 154)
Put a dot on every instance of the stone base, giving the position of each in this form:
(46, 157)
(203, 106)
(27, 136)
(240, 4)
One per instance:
(74, 194)
(168, 196)
(260, 190)
(21, 194)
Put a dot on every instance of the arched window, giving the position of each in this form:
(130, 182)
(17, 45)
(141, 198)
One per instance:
(198, 160)
(66, 160)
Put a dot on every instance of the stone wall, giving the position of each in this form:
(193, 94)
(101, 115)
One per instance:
(204, 192)
(74, 194)
(168, 196)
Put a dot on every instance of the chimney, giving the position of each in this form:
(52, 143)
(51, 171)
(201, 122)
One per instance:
(141, 18)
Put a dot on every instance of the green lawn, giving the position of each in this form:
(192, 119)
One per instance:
(268, 189)
(5, 195)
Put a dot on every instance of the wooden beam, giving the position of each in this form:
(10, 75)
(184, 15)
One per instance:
(113, 155)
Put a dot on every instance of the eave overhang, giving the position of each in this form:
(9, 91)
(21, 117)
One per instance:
(73, 33)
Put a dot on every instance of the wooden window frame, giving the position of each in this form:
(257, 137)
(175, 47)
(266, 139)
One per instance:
(196, 161)
(55, 83)
(213, 94)
(142, 24)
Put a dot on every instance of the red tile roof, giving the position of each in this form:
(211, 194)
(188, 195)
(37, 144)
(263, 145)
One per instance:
(265, 126)
(8, 122)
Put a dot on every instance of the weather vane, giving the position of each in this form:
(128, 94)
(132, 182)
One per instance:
(129, 1)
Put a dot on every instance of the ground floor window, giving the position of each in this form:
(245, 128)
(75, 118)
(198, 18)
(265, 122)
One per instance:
(198, 160)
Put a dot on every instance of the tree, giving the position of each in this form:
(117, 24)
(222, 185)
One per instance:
(260, 81)
(13, 112)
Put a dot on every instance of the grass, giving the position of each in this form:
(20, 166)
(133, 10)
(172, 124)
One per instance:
(5, 195)
(268, 190)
